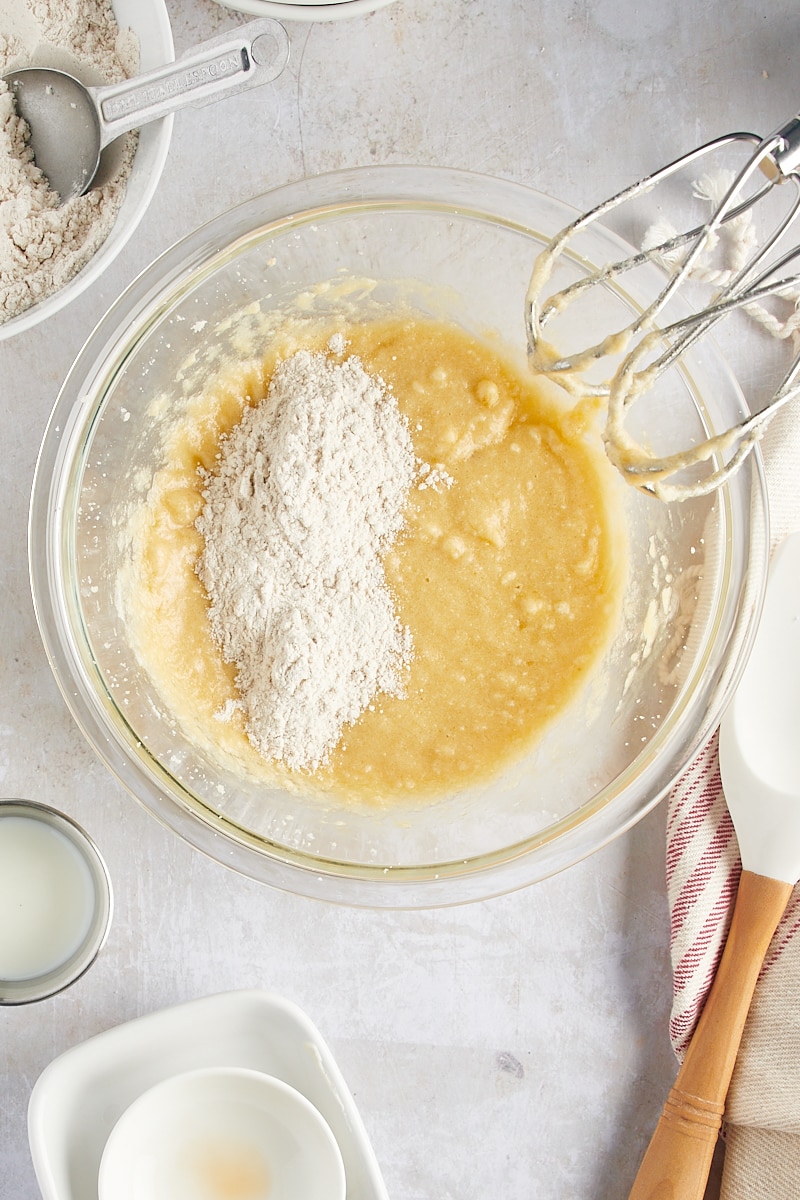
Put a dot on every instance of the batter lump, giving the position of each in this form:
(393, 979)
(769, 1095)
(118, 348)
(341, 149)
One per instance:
(508, 574)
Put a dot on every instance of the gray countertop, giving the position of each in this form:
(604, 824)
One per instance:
(515, 1048)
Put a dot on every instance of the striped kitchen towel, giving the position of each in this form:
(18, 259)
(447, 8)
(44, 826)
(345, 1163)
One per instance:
(703, 871)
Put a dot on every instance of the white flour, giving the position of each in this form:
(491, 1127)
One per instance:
(308, 497)
(43, 246)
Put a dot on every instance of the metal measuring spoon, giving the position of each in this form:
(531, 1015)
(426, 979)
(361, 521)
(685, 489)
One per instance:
(70, 124)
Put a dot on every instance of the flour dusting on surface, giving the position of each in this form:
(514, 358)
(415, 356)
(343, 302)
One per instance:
(308, 497)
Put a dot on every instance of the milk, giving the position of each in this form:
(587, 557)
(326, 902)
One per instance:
(47, 898)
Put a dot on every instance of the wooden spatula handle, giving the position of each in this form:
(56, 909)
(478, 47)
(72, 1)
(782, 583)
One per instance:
(678, 1159)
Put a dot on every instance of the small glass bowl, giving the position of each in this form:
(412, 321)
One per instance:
(461, 246)
(57, 836)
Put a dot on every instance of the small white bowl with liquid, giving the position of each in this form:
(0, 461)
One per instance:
(220, 1132)
(55, 901)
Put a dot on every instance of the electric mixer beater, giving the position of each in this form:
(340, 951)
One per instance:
(648, 349)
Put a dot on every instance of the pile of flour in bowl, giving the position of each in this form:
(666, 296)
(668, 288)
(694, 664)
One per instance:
(308, 496)
(42, 245)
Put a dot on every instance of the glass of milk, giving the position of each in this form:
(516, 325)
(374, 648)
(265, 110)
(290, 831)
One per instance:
(55, 901)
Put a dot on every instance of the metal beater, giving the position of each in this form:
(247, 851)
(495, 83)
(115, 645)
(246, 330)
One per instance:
(649, 349)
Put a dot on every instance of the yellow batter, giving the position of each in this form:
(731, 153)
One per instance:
(510, 578)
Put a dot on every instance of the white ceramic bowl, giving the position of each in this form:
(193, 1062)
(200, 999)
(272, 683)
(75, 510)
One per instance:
(150, 22)
(217, 1133)
(311, 10)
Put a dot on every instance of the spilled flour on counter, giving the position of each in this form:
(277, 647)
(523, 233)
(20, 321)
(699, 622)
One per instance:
(308, 497)
(44, 245)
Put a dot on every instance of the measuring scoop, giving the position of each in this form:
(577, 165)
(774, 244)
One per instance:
(70, 123)
(759, 753)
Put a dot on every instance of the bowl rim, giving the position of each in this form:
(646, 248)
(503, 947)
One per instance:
(558, 845)
(317, 10)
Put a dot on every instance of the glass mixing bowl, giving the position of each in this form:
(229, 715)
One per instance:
(459, 245)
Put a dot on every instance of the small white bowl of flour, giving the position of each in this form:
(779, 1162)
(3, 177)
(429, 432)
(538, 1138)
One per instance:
(49, 254)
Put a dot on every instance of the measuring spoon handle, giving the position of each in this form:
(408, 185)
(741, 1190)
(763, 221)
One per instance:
(246, 57)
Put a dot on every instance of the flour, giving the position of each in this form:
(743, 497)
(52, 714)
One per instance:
(308, 497)
(42, 245)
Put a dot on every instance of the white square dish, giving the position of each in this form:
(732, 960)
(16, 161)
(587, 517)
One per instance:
(79, 1096)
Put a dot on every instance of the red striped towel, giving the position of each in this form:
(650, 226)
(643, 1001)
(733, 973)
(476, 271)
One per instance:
(703, 871)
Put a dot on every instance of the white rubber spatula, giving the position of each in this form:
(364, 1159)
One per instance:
(759, 751)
